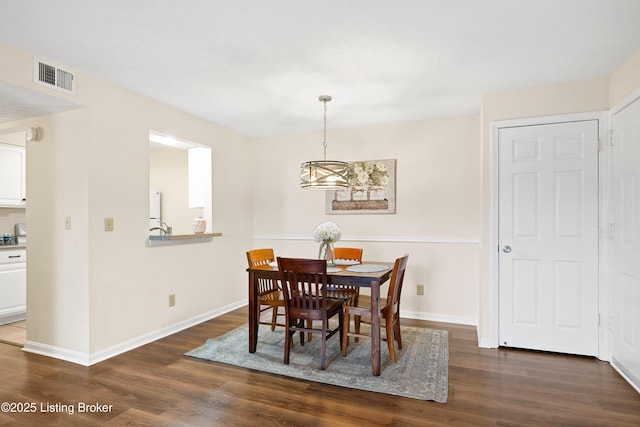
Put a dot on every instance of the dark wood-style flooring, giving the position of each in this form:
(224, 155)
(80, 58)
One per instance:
(156, 385)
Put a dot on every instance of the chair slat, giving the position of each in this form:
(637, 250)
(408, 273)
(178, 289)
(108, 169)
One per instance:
(304, 285)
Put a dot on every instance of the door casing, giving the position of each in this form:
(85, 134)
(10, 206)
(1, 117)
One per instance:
(603, 288)
(615, 326)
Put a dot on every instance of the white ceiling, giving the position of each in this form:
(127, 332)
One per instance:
(258, 66)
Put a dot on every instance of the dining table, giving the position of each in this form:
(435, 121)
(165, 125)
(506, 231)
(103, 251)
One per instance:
(338, 275)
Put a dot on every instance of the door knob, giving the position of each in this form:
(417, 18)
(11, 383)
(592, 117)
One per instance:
(506, 249)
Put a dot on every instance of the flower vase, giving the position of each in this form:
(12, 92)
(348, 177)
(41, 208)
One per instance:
(343, 195)
(376, 192)
(198, 225)
(326, 251)
(359, 193)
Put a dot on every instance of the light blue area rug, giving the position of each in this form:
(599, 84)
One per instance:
(421, 370)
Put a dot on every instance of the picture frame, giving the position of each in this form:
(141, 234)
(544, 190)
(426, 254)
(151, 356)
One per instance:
(372, 189)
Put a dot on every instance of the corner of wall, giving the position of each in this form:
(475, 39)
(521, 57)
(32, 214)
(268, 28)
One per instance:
(625, 80)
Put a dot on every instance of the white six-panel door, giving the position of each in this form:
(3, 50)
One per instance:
(625, 232)
(548, 234)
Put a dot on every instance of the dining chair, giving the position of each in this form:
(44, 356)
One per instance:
(389, 312)
(304, 285)
(353, 254)
(269, 293)
(347, 293)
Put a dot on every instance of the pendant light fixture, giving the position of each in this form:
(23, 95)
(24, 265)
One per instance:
(324, 174)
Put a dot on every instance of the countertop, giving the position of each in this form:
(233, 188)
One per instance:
(12, 247)
(181, 238)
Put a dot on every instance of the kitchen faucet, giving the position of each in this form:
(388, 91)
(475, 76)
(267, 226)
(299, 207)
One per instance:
(168, 229)
(164, 228)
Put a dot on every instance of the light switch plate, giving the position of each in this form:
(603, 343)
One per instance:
(108, 224)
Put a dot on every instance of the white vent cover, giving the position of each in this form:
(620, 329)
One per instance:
(51, 76)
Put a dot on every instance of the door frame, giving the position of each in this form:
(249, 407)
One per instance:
(604, 288)
(621, 105)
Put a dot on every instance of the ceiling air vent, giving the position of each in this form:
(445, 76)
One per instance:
(51, 76)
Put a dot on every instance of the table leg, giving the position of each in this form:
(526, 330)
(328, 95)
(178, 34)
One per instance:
(253, 312)
(375, 328)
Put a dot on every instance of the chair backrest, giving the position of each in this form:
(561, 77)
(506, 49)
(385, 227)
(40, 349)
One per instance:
(395, 285)
(348, 253)
(258, 257)
(304, 284)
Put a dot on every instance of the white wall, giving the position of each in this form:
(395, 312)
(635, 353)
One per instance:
(91, 293)
(138, 279)
(625, 80)
(437, 219)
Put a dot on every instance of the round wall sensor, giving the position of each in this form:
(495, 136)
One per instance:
(33, 134)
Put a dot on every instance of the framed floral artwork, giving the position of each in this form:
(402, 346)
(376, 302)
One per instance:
(372, 189)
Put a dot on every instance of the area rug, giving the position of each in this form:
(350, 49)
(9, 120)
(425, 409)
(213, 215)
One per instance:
(420, 372)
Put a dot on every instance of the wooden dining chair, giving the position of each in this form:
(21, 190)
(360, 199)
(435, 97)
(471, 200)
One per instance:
(304, 285)
(389, 312)
(354, 254)
(269, 293)
(347, 293)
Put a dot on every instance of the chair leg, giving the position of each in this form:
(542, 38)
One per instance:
(300, 324)
(390, 340)
(356, 321)
(340, 325)
(287, 342)
(274, 317)
(396, 333)
(309, 326)
(345, 332)
(323, 345)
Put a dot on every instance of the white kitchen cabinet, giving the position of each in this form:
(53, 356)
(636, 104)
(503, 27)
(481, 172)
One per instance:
(12, 176)
(13, 285)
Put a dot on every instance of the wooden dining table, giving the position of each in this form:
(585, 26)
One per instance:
(372, 280)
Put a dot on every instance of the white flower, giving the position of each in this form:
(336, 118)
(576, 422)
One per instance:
(381, 166)
(363, 177)
(328, 230)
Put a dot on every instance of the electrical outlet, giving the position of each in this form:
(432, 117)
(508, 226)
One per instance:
(172, 300)
(108, 224)
(419, 289)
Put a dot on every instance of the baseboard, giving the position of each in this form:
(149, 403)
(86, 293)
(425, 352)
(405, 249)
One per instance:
(93, 358)
(56, 352)
(486, 343)
(440, 318)
(631, 379)
(12, 318)
(99, 356)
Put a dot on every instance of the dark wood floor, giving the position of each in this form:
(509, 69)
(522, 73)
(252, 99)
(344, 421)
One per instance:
(156, 385)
